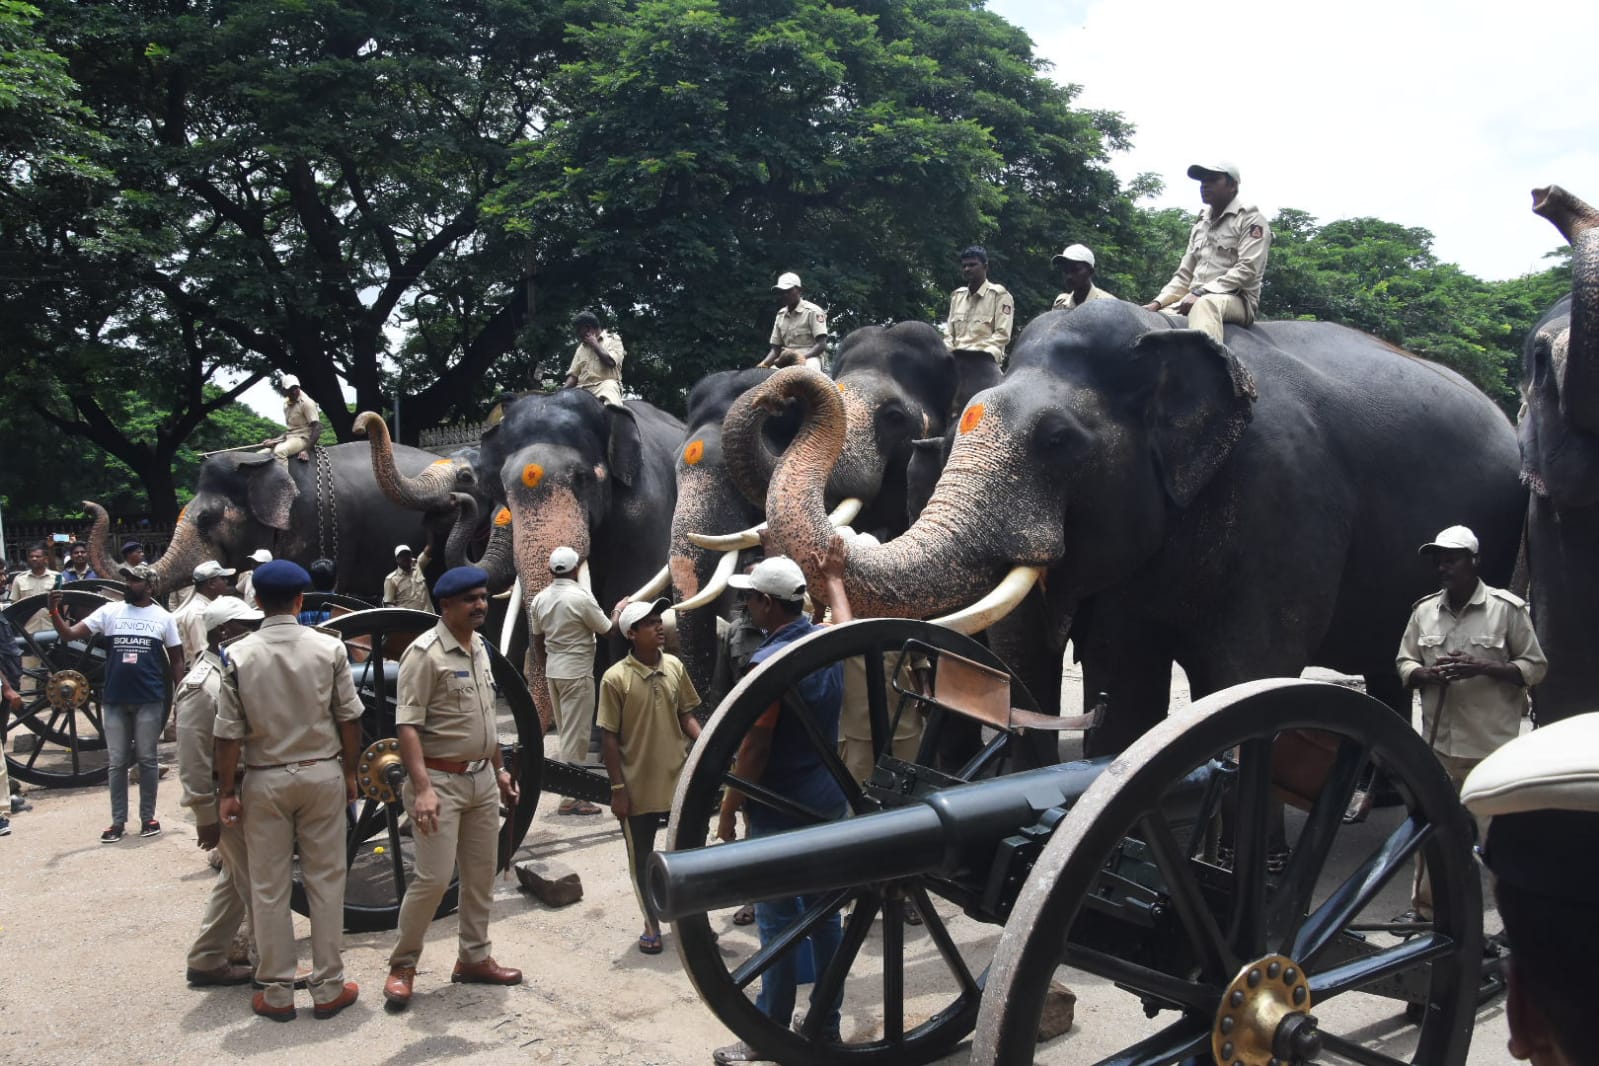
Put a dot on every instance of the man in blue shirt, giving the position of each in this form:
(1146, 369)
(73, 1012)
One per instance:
(133, 701)
(779, 755)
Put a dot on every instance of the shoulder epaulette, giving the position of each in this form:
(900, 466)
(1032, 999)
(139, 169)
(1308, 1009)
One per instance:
(1508, 596)
(1424, 599)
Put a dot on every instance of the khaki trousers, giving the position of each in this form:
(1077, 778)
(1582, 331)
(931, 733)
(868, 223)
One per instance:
(1211, 310)
(468, 836)
(859, 760)
(228, 906)
(291, 446)
(573, 698)
(1421, 887)
(282, 806)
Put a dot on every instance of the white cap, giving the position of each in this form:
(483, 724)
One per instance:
(864, 540)
(563, 560)
(788, 281)
(1075, 253)
(226, 609)
(210, 569)
(777, 576)
(290, 382)
(638, 610)
(1198, 170)
(261, 555)
(1455, 538)
(402, 549)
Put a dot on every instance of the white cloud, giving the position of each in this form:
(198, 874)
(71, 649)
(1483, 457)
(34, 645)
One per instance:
(1434, 114)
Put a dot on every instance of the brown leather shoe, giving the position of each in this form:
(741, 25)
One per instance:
(266, 1010)
(397, 989)
(324, 1011)
(486, 972)
(222, 975)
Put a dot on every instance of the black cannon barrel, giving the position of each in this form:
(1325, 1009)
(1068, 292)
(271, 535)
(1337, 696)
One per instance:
(952, 830)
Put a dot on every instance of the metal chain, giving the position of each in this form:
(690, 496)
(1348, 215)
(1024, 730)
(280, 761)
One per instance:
(326, 506)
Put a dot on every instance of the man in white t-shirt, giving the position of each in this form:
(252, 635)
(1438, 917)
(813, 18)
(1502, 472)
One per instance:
(133, 701)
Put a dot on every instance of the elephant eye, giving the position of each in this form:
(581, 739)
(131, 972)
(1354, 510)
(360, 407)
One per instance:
(1055, 433)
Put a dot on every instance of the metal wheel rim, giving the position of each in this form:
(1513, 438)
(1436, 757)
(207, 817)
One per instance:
(1028, 955)
(689, 827)
(376, 824)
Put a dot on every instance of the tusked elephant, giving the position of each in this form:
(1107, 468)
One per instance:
(896, 383)
(330, 506)
(1244, 512)
(567, 469)
(1559, 434)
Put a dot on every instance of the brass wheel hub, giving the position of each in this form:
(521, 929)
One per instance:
(376, 774)
(1264, 1018)
(67, 690)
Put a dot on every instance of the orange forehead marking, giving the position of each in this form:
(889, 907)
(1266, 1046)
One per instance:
(973, 415)
(502, 517)
(441, 462)
(841, 385)
(694, 452)
(532, 474)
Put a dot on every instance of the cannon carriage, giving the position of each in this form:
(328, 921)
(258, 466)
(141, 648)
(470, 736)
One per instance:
(1159, 874)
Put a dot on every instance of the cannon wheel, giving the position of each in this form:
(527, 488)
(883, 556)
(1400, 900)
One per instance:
(876, 1005)
(69, 745)
(377, 878)
(1268, 926)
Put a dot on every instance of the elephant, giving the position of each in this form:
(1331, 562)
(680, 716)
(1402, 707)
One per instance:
(331, 506)
(565, 468)
(1559, 436)
(896, 383)
(1245, 510)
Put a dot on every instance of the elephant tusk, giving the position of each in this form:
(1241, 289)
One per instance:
(508, 630)
(584, 579)
(842, 515)
(713, 588)
(654, 586)
(996, 605)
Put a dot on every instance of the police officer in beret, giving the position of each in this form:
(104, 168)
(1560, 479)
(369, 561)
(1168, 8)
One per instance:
(1541, 791)
(456, 781)
(288, 705)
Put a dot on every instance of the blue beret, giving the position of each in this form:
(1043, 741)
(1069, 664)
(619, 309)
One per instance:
(281, 577)
(460, 579)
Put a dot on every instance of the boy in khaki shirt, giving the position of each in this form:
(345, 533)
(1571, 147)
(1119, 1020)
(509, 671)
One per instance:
(646, 712)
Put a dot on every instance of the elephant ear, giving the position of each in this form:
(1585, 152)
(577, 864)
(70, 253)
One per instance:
(271, 491)
(626, 451)
(1198, 406)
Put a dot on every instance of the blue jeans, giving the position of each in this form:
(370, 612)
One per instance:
(778, 983)
(130, 728)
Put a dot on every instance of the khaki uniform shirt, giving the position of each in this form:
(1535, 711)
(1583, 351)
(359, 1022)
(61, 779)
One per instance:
(407, 589)
(446, 690)
(981, 321)
(190, 620)
(797, 331)
(1066, 301)
(592, 373)
(194, 709)
(24, 585)
(1471, 718)
(641, 705)
(285, 688)
(567, 616)
(301, 418)
(1225, 255)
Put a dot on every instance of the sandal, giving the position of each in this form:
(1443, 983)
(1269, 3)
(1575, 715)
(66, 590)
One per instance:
(745, 915)
(650, 944)
(1359, 807)
(580, 807)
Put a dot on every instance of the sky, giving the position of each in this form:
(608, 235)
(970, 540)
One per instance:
(1418, 112)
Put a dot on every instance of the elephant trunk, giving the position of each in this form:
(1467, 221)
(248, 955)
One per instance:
(499, 558)
(428, 491)
(934, 568)
(751, 465)
(99, 532)
(706, 503)
(175, 568)
(461, 531)
(1579, 224)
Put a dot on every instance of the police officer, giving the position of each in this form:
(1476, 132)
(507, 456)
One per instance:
(195, 709)
(303, 422)
(455, 784)
(981, 314)
(1219, 278)
(799, 333)
(1542, 793)
(1076, 265)
(211, 580)
(405, 586)
(288, 701)
(597, 362)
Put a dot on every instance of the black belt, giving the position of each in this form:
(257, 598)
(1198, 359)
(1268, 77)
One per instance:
(450, 766)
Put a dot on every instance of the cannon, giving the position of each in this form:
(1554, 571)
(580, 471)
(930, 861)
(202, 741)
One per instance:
(1168, 874)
